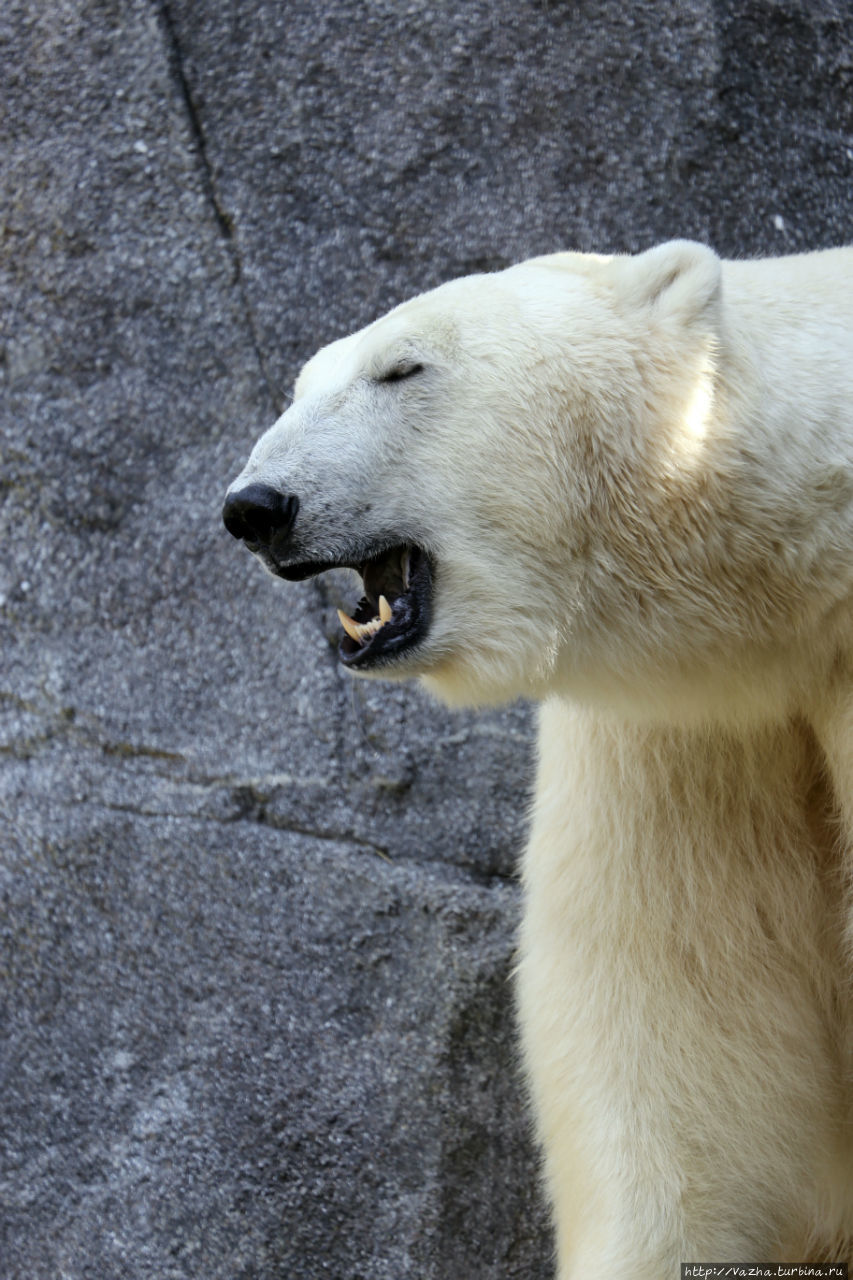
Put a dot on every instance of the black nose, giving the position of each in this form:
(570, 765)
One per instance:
(259, 512)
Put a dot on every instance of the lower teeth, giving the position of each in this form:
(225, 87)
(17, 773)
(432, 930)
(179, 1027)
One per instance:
(361, 632)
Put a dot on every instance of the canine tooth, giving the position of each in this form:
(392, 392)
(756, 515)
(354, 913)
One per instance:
(384, 610)
(350, 626)
(404, 565)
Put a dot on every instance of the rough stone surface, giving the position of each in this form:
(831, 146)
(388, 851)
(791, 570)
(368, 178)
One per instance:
(257, 920)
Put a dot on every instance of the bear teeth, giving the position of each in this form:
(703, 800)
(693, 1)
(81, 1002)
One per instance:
(361, 632)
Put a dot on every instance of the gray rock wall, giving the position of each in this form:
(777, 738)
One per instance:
(257, 920)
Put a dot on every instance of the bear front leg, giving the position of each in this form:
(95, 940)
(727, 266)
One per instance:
(677, 991)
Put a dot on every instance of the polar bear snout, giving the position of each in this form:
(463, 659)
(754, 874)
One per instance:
(260, 515)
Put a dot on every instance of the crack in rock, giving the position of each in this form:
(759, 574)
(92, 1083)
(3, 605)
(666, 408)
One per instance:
(223, 219)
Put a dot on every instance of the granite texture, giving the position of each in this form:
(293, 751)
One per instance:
(256, 932)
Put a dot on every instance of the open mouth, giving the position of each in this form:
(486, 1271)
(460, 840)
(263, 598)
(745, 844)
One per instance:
(392, 616)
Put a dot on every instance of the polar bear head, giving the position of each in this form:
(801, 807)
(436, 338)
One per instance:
(487, 458)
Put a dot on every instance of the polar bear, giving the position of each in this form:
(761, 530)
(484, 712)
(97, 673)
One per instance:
(623, 486)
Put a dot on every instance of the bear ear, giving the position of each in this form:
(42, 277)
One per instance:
(681, 279)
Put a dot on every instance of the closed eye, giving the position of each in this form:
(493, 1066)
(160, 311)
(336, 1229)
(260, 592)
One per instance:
(400, 371)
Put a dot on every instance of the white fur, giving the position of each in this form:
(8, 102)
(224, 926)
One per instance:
(635, 478)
